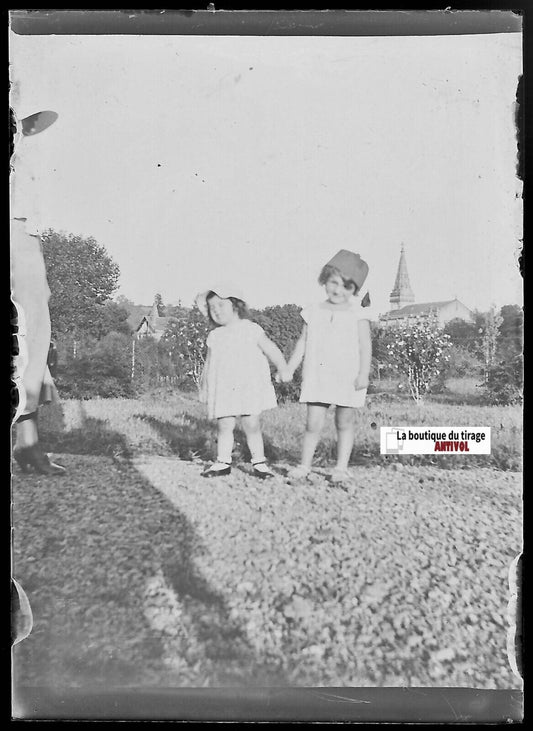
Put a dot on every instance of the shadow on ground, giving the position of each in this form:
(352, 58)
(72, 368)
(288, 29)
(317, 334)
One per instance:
(85, 547)
(196, 438)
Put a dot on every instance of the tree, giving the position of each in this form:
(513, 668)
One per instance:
(102, 370)
(504, 376)
(82, 278)
(161, 309)
(282, 324)
(419, 351)
(511, 331)
(124, 301)
(185, 340)
(490, 332)
(505, 381)
(465, 335)
(145, 365)
(113, 318)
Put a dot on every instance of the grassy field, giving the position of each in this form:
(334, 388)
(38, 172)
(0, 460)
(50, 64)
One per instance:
(170, 423)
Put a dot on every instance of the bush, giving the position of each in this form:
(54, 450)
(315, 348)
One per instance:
(103, 370)
(461, 363)
(283, 325)
(419, 351)
(185, 343)
(505, 382)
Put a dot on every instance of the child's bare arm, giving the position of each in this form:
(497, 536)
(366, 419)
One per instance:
(273, 353)
(365, 355)
(298, 353)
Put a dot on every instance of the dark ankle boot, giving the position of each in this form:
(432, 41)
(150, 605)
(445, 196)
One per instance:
(34, 457)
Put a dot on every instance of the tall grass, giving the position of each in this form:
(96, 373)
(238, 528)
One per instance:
(170, 423)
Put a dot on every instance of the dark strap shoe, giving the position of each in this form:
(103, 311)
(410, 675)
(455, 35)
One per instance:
(262, 470)
(218, 469)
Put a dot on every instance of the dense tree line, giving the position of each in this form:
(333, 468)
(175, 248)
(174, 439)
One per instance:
(99, 357)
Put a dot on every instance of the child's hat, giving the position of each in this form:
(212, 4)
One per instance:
(223, 289)
(351, 266)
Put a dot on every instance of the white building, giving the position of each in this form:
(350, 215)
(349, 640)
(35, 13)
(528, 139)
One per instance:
(405, 310)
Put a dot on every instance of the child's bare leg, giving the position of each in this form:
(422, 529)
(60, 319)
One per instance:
(254, 438)
(345, 424)
(316, 414)
(225, 427)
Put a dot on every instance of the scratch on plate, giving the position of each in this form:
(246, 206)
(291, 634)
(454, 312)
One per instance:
(333, 697)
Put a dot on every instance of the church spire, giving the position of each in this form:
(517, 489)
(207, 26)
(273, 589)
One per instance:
(402, 294)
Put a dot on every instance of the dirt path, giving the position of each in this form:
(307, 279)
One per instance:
(159, 576)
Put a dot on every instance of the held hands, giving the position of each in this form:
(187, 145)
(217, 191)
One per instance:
(284, 375)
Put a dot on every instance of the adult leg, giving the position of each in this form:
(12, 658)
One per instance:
(30, 294)
(316, 414)
(345, 424)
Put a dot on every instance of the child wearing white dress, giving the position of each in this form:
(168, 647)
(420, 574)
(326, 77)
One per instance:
(236, 378)
(335, 346)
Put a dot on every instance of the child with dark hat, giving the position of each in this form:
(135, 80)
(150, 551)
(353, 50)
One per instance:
(335, 346)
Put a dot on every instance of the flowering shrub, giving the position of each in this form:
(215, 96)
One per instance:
(185, 340)
(419, 351)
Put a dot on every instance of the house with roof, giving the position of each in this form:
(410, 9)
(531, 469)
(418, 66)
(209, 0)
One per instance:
(404, 310)
(151, 324)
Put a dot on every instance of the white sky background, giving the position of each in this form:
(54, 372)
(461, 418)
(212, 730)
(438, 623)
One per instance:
(257, 158)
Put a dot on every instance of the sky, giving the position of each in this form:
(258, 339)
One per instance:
(193, 159)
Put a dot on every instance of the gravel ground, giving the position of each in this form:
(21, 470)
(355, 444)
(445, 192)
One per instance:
(146, 573)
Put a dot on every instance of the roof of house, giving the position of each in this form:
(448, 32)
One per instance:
(137, 312)
(155, 324)
(419, 309)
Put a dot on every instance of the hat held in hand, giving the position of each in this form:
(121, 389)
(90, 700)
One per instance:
(37, 122)
(351, 266)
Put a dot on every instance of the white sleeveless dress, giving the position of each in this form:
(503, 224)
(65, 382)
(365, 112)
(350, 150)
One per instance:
(331, 359)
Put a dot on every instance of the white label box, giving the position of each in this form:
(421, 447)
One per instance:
(435, 440)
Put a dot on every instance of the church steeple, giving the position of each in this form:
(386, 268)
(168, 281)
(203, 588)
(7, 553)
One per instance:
(402, 294)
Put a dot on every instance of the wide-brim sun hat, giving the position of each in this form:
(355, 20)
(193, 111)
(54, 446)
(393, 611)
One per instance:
(29, 125)
(29, 122)
(351, 266)
(224, 290)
